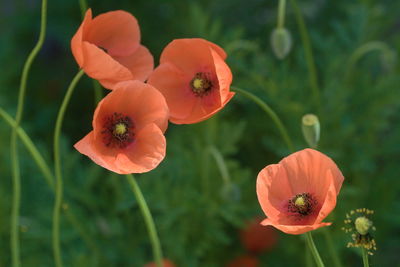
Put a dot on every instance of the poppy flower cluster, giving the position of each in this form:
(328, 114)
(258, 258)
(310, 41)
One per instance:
(191, 84)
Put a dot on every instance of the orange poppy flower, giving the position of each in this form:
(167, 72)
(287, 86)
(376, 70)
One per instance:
(194, 79)
(165, 262)
(257, 238)
(108, 48)
(299, 192)
(244, 261)
(128, 127)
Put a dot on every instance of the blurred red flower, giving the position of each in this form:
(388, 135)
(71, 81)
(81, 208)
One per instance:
(257, 238)
(244, 261)
(166, 263)
(108, 48)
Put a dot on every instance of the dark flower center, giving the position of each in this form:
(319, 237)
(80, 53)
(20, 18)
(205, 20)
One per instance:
(302, 204)
(201, 85)
(117, 131)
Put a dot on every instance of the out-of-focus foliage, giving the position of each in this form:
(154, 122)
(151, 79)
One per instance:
(197, 214)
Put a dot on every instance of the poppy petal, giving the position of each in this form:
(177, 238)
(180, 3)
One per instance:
(189, 55)
(86, 146)
(101, 66)
(140, 63)
(174, 85)
(116, 31)
(147, 152)
(294, 229)
(77, 39)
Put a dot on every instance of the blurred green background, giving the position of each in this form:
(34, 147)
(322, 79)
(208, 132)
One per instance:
(198, 216)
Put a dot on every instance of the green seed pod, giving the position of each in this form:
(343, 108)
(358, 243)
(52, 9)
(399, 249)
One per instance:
(311, 129)
(362, 225)
(281, 42)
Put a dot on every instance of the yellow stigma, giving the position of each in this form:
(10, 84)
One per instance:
(362, 225)
(120, 128)
(198, 83)
(300, 202)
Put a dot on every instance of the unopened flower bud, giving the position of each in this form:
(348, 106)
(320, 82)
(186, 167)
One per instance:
(311, 129)
(281, 42)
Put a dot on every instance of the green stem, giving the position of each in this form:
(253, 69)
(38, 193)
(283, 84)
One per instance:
(270, 112)
(365, 257)
(151, 228)
(57, 168)
(98, 93)
(281, 13)
(312, 70)
(37, 157)
(332, 251)
(362, 51)
(219, 159)
(83, 7)
(314, 250)
(14, 233)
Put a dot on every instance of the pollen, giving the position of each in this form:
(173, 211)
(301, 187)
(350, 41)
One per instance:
(120, 128)
(197, 83)
(201, 84)
(302, 204)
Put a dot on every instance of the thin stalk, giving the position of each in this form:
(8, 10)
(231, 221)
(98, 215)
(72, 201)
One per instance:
(48, 175)
(270, 112)
(14, 233)
(151, 228)
(57, 168)
(37, 157)
(365, 257)
(83, 7)
(313, 249)
(361, 51)
(312, 70)
(332, 251)
(281, 13)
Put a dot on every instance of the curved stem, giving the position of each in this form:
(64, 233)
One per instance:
(151, 228)
(270, 113)
(365, 257)
(14, 234)
(312, 70)
(57, 168)
(314, 250)
(37, 157)
(363, 50)
(281, 13)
